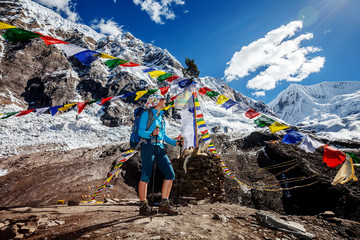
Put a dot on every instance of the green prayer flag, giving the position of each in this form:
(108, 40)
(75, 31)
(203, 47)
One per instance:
(164, 77)
(169, 103)
(114, 62)
(355, 158)
(151, 91)
(212, 94)
(92, 101)
(9, 114)
(18, 34)
(264, 121)
(200, 119)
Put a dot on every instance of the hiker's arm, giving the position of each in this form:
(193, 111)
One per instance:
(167, 139)
(142, 126)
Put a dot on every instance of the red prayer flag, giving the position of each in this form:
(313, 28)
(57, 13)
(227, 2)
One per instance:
(172, 78)
(199, 116)
(204, 90)
(104, 100)
(22, 113)
(130, 64)
(171, 99)
(333, 157)
(50, 40)
(251, 113)
(164, 90)
(81, 106)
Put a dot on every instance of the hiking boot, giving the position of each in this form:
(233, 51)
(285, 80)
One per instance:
(166, 208)
(145, 210)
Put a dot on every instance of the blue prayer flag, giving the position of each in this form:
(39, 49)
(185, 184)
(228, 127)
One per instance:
(55, 109)
(293, 137)
(229, 103)
(87, 57)
(149, 70)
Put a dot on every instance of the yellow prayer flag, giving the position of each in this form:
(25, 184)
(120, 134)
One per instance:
(345, 174)
(276, 126)
(155, 74)
(66, 106)
(221, 99)
(5, 26)
(139, 94)
(200, 123)
(104, 55)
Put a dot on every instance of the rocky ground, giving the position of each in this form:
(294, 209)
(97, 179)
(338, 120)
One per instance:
(119, 219)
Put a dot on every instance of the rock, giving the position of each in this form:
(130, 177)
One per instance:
(270, 220)
(60, 222)
(19, 236)
(24, 229)
(7, 233)
(220, 217)
(327, 214)
(73, 203)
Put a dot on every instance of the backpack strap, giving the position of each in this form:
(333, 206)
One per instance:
(150, 118)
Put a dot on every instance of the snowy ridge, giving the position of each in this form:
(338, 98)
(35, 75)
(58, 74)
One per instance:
(330, 108)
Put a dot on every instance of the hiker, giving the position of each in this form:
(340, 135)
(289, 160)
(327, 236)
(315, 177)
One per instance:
(157, 129)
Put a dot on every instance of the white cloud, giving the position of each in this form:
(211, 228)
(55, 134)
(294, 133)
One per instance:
(259, 94)
(156, 9)
(281, 55)
(65, 6)
(107, 27)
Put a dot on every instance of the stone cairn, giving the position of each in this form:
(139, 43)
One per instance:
(204, 179)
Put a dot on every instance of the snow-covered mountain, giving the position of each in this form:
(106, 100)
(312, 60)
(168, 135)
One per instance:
(34, 75)
(330, 108)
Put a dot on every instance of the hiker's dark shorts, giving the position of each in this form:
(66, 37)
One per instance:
(162, 161)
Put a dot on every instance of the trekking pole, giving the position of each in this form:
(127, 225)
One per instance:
(154, 169)
(179, 175)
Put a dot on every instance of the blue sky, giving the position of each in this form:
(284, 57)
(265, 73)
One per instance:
(259, 47)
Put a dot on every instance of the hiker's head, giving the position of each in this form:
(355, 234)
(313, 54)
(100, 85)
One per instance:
(154, 100)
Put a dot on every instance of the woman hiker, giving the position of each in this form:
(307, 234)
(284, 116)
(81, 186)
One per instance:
(155, 103)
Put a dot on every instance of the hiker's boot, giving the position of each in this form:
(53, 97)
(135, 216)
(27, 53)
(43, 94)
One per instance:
(145, 210)
(166, 208)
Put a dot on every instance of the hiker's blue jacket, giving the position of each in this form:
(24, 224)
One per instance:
(158, 121)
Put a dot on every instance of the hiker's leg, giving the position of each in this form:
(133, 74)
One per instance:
(166, 168)
(142, 190)
(166, 188)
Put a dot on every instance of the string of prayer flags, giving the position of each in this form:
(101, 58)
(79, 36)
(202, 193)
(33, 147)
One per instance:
(18, 34)
(355, 158)
(251, 113)
(276, 126)
(9, 114)
(333, 157)
(345, 173)
(264, 121)
(5, 26)
(293, 137)
(310, 145)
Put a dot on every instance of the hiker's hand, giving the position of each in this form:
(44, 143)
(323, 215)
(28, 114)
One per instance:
(155, 132)
(180, 142)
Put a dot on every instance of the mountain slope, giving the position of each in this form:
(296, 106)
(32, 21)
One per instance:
(331, 108)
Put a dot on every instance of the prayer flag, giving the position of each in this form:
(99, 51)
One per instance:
(87, 57)
(276, 126)
(293, 137)
(81, 106)
(149, 70)
(129, 64)
(346, 173)
(17, 35)
(309, 145)
(164, 90)
(221, 99)
(184, 83)
(66, 107)
(138, 68)
(71, 49)
(104, 100)
(204, 90)
(114, 62)
(170, 79)
(239, 108)
(54, 109)
(183, 98)
(152, 91)
(22, 113)
(164, 77)
(188, 122)
(9, 114)
(213, 94)
(333, 157)
(228, 104)
(155, 74)
(355, 158)
(50, 40)
(104, 55)
(264, 121)
(127, 94)
(40, 111)
(139, 94)
(251, 113)
(5, 26)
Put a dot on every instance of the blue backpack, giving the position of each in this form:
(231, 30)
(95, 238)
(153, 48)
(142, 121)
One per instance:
(135, 139)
